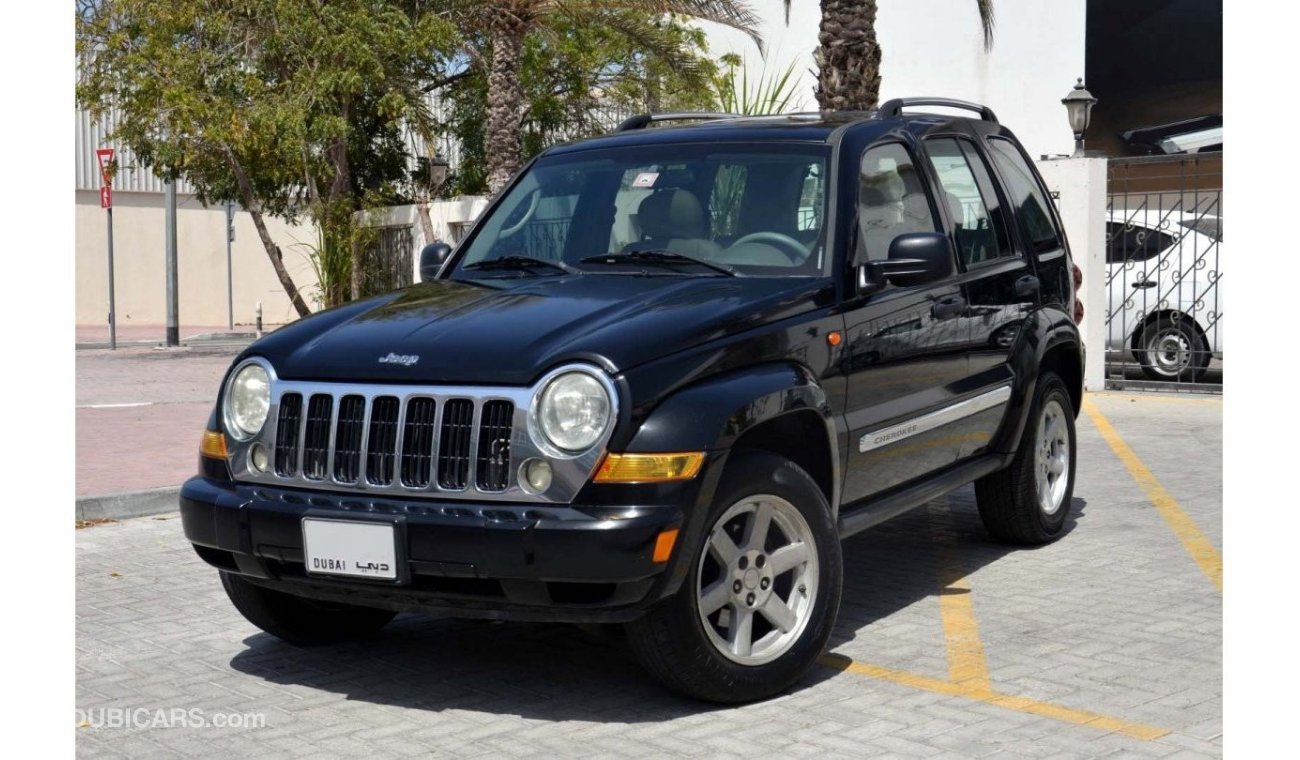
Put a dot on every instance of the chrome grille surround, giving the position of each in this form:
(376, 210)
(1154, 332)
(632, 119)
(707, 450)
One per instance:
(569, 472)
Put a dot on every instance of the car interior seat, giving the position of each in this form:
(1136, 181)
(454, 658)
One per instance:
(879, 219)
(672, 219)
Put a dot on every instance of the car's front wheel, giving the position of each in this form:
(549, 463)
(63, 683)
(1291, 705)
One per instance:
(762, 593)
(301, 621)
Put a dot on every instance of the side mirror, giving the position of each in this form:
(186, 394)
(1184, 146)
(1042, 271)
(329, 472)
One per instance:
(915, 258)
(432, 257)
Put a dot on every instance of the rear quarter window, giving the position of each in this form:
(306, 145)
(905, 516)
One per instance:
(1026, 195)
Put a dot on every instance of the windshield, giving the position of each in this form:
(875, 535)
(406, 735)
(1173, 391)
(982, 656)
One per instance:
(747, 209)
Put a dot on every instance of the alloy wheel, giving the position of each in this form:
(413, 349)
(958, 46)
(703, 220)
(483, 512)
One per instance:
(1052, 458)
(757, 580)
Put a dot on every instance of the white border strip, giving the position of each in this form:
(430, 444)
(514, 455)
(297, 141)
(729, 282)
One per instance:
(928, 422)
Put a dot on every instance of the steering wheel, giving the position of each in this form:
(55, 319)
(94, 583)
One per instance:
(797, 251)
(528, 215)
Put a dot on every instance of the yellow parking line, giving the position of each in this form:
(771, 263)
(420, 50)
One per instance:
(1163, 397)
(989, 696)
(1193, 540)
(966, 662)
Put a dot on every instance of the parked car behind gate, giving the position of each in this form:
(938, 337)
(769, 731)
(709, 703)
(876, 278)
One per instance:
(1165, 296)
(661, 378)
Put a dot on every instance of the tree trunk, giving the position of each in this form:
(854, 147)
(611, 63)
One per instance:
(272, 250)
(426, 222)
(848, 57)
(358, 264)
(505, 97)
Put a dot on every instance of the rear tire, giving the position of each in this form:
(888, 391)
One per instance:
(1027, 502)
(761, 593)
(305, 622)
(1172, 350)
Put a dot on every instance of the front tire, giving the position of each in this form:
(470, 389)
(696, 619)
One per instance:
(1027, 502)
(305, 622)
(761, 594)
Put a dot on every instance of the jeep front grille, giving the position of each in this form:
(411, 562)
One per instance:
(392, 443)
(408, 440)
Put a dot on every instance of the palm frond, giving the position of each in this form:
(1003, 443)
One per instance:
(986, 20)
(773, 92)
(736, 14)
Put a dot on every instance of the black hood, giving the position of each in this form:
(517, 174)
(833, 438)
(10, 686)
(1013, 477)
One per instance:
(509, 331)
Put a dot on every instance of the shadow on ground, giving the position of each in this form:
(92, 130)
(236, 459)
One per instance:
(560, 672)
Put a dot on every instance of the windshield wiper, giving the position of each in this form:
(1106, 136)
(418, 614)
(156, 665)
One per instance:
(521, 264)
(659, 257)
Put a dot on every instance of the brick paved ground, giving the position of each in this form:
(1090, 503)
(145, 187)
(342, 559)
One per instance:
(1115, 619)
(140, 413)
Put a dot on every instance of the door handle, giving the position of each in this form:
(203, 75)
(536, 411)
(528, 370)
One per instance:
(948, 307)
(1144, 284)
(1027, 286)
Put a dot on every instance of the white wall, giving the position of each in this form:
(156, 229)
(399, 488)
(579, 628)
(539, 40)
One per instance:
(935, 47)
(1080, 184)
(138, 252)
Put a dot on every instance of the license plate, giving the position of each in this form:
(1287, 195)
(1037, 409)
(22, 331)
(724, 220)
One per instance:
(347, 547)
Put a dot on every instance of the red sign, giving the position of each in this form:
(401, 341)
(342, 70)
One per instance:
(105, 197)
(105, 156)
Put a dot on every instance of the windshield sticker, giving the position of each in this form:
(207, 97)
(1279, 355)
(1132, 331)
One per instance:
(645, 179)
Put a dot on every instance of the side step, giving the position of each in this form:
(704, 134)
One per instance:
(875, 511)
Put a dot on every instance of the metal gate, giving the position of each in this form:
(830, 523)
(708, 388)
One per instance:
(389, 261)
(1164, 313)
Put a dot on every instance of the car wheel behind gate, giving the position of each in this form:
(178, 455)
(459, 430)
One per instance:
(1172, 350)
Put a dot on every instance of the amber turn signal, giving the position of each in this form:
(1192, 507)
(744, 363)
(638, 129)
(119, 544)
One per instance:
(213, 445)
(664, 545)
(649, 468)
(834, 338)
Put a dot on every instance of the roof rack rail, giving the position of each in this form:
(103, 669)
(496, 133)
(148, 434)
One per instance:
(894, 108)
(643, 120)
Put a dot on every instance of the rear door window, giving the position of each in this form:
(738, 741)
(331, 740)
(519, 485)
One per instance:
(978, 227)
(1131, 242)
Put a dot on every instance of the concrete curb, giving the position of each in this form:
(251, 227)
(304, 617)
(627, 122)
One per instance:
(119, 506)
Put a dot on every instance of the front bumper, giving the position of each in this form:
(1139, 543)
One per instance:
(468, 559)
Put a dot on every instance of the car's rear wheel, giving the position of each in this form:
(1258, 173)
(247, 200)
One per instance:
(1028, 501)
(301, 621)
(761, 594)
(1172, 350)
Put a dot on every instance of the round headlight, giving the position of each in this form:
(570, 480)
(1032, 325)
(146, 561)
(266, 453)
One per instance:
(573, 411)
(248, 399)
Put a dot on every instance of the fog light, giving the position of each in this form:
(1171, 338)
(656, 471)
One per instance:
(537, 475)
(259, 458)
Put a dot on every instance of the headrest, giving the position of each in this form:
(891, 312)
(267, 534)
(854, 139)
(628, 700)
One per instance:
(955, 208)
(671, 214)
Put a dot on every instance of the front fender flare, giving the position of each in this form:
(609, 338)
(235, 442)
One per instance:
(712, 414)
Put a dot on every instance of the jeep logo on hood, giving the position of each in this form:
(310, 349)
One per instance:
(405, 360)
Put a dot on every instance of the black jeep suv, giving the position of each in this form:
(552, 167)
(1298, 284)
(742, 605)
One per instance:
(659, 380)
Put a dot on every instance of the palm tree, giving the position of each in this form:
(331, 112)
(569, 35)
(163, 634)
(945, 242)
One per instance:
(507, 23)
(848, 56)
